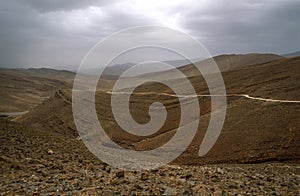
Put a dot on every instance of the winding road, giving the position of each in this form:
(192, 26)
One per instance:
(208, 95)
(14, 114)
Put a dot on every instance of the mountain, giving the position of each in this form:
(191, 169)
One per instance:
(261, 122)
(224, 62)
(294, 54)
(230, 61)
(23, 89)
(54, 114)
(112, 72)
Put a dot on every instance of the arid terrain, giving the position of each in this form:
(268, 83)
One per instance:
(257, 152)
(38, 162)
(23, 89)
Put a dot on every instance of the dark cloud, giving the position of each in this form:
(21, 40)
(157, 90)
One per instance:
(57, 33)
(59, 5)
(267, 26)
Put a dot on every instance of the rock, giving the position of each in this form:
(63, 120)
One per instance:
(144, 176)
(224, 193)
(116, 182)
(50, 152)
(137, 186)
(220, 171)
(233, 186)
(133, 194)
(170, 191)
(120, 174)
(187, 191)
(32, 188)
(154, 170)
(188, 176)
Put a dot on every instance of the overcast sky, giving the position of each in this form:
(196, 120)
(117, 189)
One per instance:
(36, 33)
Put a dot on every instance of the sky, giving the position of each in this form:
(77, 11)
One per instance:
(57, 33)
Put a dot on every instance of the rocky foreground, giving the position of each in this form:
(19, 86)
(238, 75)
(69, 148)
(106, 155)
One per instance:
(35, 162)
(88, 179)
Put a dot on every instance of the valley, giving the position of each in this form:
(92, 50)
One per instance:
(42, 152)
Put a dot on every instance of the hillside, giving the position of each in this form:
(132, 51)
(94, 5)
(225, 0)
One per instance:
(228, 62)
(23, 89)
(53, 115)
(225, 62)
(254, 130)
(35, 162)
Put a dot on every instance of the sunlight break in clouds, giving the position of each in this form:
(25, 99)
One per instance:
(59, 33)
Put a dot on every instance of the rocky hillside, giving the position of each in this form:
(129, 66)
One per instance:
(254, 131)
(23, 89)
(36, 162)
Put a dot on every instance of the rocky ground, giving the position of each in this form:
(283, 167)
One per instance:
(38, 163)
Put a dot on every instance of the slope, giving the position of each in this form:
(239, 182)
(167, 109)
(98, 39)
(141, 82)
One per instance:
(254, 131)
(23, 89)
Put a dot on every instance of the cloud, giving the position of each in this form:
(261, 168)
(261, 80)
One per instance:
(265, 26)
(57, 33)
(58, 5)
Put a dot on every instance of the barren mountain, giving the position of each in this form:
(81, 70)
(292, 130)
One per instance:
(230, 61)
(261, 123)
(23, 89)
(225, 62)
(41, 153)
